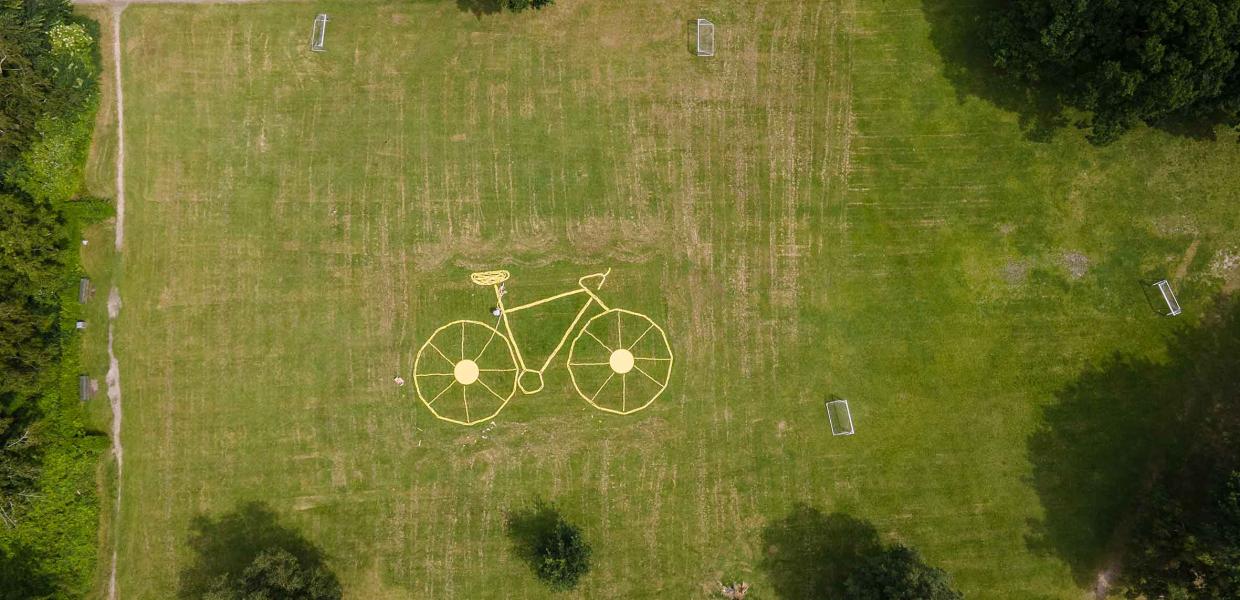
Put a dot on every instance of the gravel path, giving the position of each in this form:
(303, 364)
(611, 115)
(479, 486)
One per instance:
(114, 398)
(114, 296)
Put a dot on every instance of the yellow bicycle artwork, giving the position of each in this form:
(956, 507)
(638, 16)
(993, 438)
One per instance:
(467, 371)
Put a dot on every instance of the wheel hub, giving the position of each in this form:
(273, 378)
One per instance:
(465, 372)
(621, 361)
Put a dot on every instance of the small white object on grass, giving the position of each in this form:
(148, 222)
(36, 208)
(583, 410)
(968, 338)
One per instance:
(399, 380)
(85, 242)
(495, 312)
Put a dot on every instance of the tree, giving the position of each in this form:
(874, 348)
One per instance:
(1185, 540)
(1126, 61)
(1185, 553)
(520, 5)
(20, 577)
(898, 573)
(554, 548)
(812, 556)
(276, 574)
(247, 554)
(564, 556)
(28, 70)
(32, 237)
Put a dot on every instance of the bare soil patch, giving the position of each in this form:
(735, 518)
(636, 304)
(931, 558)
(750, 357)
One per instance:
(1076, 263)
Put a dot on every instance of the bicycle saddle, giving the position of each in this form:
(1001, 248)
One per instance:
(489, 277)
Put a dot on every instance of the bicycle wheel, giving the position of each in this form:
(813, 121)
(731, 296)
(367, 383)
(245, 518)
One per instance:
(620, 361)
(465, 372)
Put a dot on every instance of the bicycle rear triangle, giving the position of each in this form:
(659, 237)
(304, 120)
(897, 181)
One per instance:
(619, 360)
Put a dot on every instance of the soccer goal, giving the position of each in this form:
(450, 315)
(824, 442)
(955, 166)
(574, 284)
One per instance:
(840, 417)
(319, 33)
(1173, 305)
(705, 38)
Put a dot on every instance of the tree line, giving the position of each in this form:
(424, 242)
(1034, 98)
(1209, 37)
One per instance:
(1170, 63)
(49, 67)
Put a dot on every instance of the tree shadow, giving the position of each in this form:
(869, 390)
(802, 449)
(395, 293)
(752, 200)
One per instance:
(959, 31)
(810, 555)
(227, 544)
(1114, 430)
(478, 8)
(1154, 297)
(1199, 128)
(527, 527)
(690, 33)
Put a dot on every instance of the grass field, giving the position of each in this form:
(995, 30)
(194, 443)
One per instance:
(821, 209)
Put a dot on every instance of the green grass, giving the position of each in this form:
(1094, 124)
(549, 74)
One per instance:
(815, 211)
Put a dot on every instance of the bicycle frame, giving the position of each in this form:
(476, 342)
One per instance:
(504, 311)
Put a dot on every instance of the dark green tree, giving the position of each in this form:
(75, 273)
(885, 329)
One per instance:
(1126, 61)
(276, 574)
(32, 236)
(28, 71)
(554, 548)
(20, 578)
(247, 554)
(1185, 541)
(813, 556)
(898, 573)
(1182, 552)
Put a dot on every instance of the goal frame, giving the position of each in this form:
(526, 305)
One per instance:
(1173, 305)
(840, 405)
(318, 35)
(705, 31)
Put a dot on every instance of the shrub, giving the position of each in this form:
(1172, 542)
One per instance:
(53, 168)
(520, 5)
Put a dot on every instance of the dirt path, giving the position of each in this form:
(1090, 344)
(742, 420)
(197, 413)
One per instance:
(1189, 255)
(114, 296)
(120, 125)
(114, 398)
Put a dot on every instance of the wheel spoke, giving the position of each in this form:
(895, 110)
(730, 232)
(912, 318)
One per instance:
(445, 390)
(462, 340)
(639, 338)
(590, 364)
(497, 370)
(465, 400)
(651, 358)
(600, 388)
(619, 331)
(624, 391)
(445, 356)
(484, 384)
(643, 372)
(485, 346)
(600, 342)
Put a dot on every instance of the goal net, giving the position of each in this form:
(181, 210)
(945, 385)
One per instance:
(1173, 305)
(705, 38)
(840, 417)
(319, 33)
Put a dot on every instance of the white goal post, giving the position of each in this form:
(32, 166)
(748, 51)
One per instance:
(1173, 305)
(840, 417)
(319, 33)
(705, 38)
